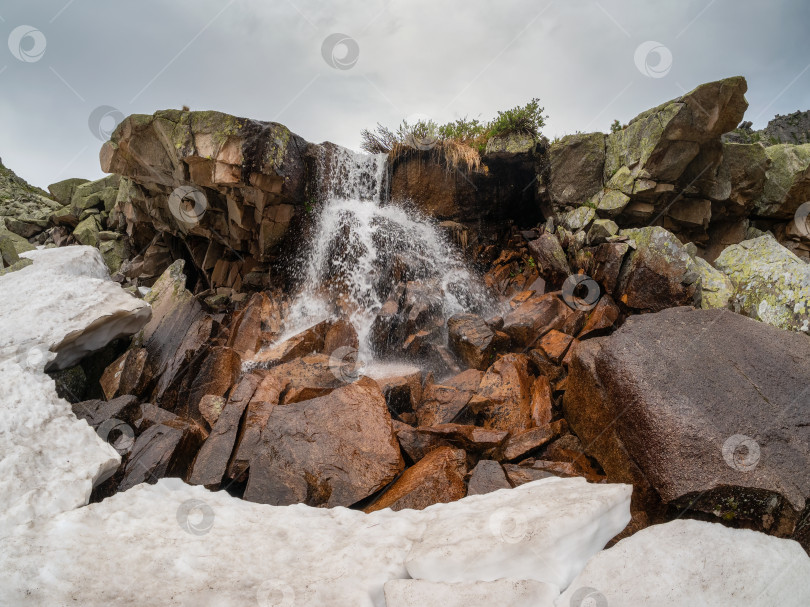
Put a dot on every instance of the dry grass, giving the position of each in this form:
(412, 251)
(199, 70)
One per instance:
(453, 154)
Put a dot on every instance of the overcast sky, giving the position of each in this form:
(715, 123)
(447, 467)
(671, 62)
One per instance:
(588, 61)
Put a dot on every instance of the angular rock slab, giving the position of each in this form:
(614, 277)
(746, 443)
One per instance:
(694, 563)
(332, 451)
(700, 403)
(301, 555)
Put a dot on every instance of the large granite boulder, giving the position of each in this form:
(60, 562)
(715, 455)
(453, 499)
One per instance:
(788, 181)
(705, 410)
(576, 165)
(771, 284)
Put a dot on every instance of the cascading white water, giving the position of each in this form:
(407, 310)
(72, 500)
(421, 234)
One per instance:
(356, 241)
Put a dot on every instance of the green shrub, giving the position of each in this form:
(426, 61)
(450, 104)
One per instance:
(525, 120)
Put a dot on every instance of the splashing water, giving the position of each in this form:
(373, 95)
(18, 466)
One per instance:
(361, 248)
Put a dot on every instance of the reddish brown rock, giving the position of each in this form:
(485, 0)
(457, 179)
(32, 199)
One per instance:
(402, 390)
(602, 317)
(330, 451)
(307, 342)
(262, 403)
(219, 371)
(129, 374)
(486, 477)
(247, 329)
(702, 406)
(211, 407)
(340, 336)
(469, 438)
(534, 317)
(504, 400)
(520, 445)
(96, 412)
(212, 460)
(178, 330)
(441, 404)
(520, 475)
(542, 401)
(471, 340)
(550, 258)
(607, 263)
(312, 376)
(163, 450)
(466, 380)
(437, 478)
(554, 345)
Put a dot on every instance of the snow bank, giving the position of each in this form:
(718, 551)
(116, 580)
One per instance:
(65, 300)
(514, 593)
(172, 543)
(690, 563)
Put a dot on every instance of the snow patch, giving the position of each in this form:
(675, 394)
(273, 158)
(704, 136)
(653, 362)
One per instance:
(686, 563)
(172, 543)
(64, 301)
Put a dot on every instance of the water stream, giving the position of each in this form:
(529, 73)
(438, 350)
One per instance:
(362, 246)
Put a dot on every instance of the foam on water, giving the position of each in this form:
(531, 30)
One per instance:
(356, 241)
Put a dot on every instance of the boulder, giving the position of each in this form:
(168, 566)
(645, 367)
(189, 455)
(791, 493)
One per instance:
(330, 451)
(770, 283)
(176, 333)
(486, 477)
(442, 404)
(62, 191)
(401, 386)
(576, 165)
(240, 180)
(664, 140)
(219, 371)
(162, 450)
(533, 318)
(520, 445)
(658, 273)
(787, 183)
(437, 478)
(471, 340)
(716, 288)
(211, 462)
(680, 402)
(129, 374)
(550, 259)
(504, 398)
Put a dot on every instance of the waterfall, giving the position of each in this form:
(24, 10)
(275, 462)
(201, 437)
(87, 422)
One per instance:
(361, 247)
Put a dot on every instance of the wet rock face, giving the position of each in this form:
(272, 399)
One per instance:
(699, 415)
